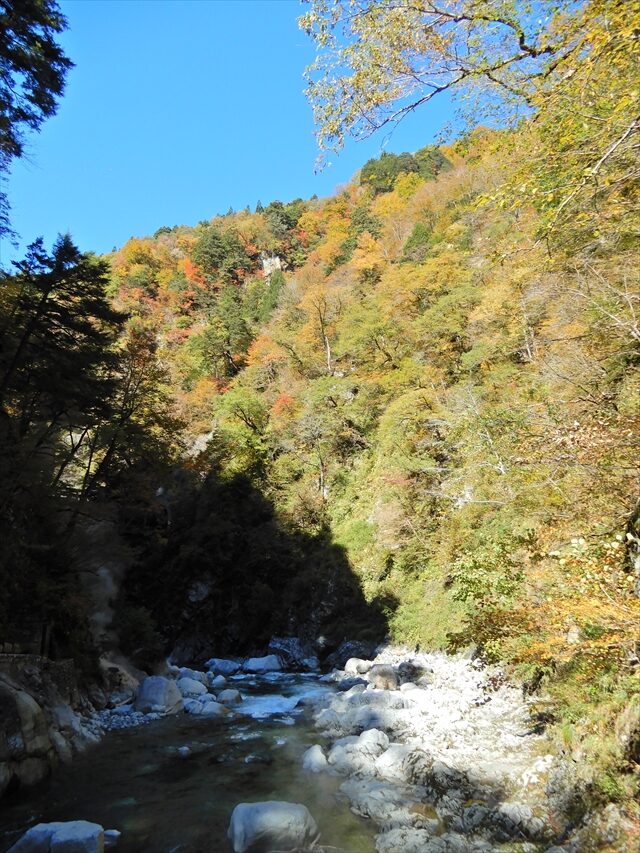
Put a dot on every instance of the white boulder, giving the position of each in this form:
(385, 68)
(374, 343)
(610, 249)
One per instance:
(314, 759)
(269, 663)
(272, 825)
(159, 695)
(193, 706)
(190, 688)
(74, 836)
(357, 666)
(392, 764)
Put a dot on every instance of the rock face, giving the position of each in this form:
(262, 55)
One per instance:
(269, 663)
(38, 726)
(159, 695)
(119, 678)
(75, 836)
(270, 826)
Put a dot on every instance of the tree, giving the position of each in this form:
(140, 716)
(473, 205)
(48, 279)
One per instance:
(379, 61)
(56, 334)
(32, 75)
(572, 66)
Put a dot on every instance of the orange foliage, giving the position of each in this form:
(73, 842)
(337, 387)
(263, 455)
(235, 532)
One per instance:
(284, 403)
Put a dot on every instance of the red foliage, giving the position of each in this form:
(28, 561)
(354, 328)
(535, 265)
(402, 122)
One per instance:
(282, 404)
(193, 274)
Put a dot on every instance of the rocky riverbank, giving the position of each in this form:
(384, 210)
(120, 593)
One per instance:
(445, 756)
(440, 753)
(44, 719)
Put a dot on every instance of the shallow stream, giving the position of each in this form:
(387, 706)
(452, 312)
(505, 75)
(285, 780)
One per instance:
(168, 799)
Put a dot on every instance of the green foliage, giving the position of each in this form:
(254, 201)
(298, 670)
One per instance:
(34, 68)
(431, 161)
(418, 243)
(270, 297)
(491, 573)
(380, 174)
(222, 254)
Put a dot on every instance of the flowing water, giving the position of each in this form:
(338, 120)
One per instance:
(168, 799)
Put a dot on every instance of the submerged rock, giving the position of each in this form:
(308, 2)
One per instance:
(272, 825)
(159, 695)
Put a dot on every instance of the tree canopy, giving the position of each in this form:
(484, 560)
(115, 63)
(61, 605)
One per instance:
(33, 68)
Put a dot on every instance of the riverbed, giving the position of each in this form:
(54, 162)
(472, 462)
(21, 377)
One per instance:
(169, 786)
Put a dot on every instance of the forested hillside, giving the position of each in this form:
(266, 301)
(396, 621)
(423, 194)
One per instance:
(411, 409)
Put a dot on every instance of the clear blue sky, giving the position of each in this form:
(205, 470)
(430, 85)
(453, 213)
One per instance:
(175, 111)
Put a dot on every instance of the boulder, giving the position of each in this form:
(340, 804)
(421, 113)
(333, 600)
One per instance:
(26, 750)
(193, 706)
(314, 759)
(216, 682)
(404, 839)
(229, 697)
(350, 649)
(269, 663)
(272, 825)
(74, 836)
(119, 678)
(221, 666)
(379, 801)
(213, 709)
(208, 707)
(409, 670)
(295, 654)
(357, 755)
(382, 677)
(357, 666)
(159, 695)
(190, 688)
(195, 674)
(391, 764)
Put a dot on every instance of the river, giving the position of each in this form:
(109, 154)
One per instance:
(170, 786)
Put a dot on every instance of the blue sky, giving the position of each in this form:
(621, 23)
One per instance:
(175, 111)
